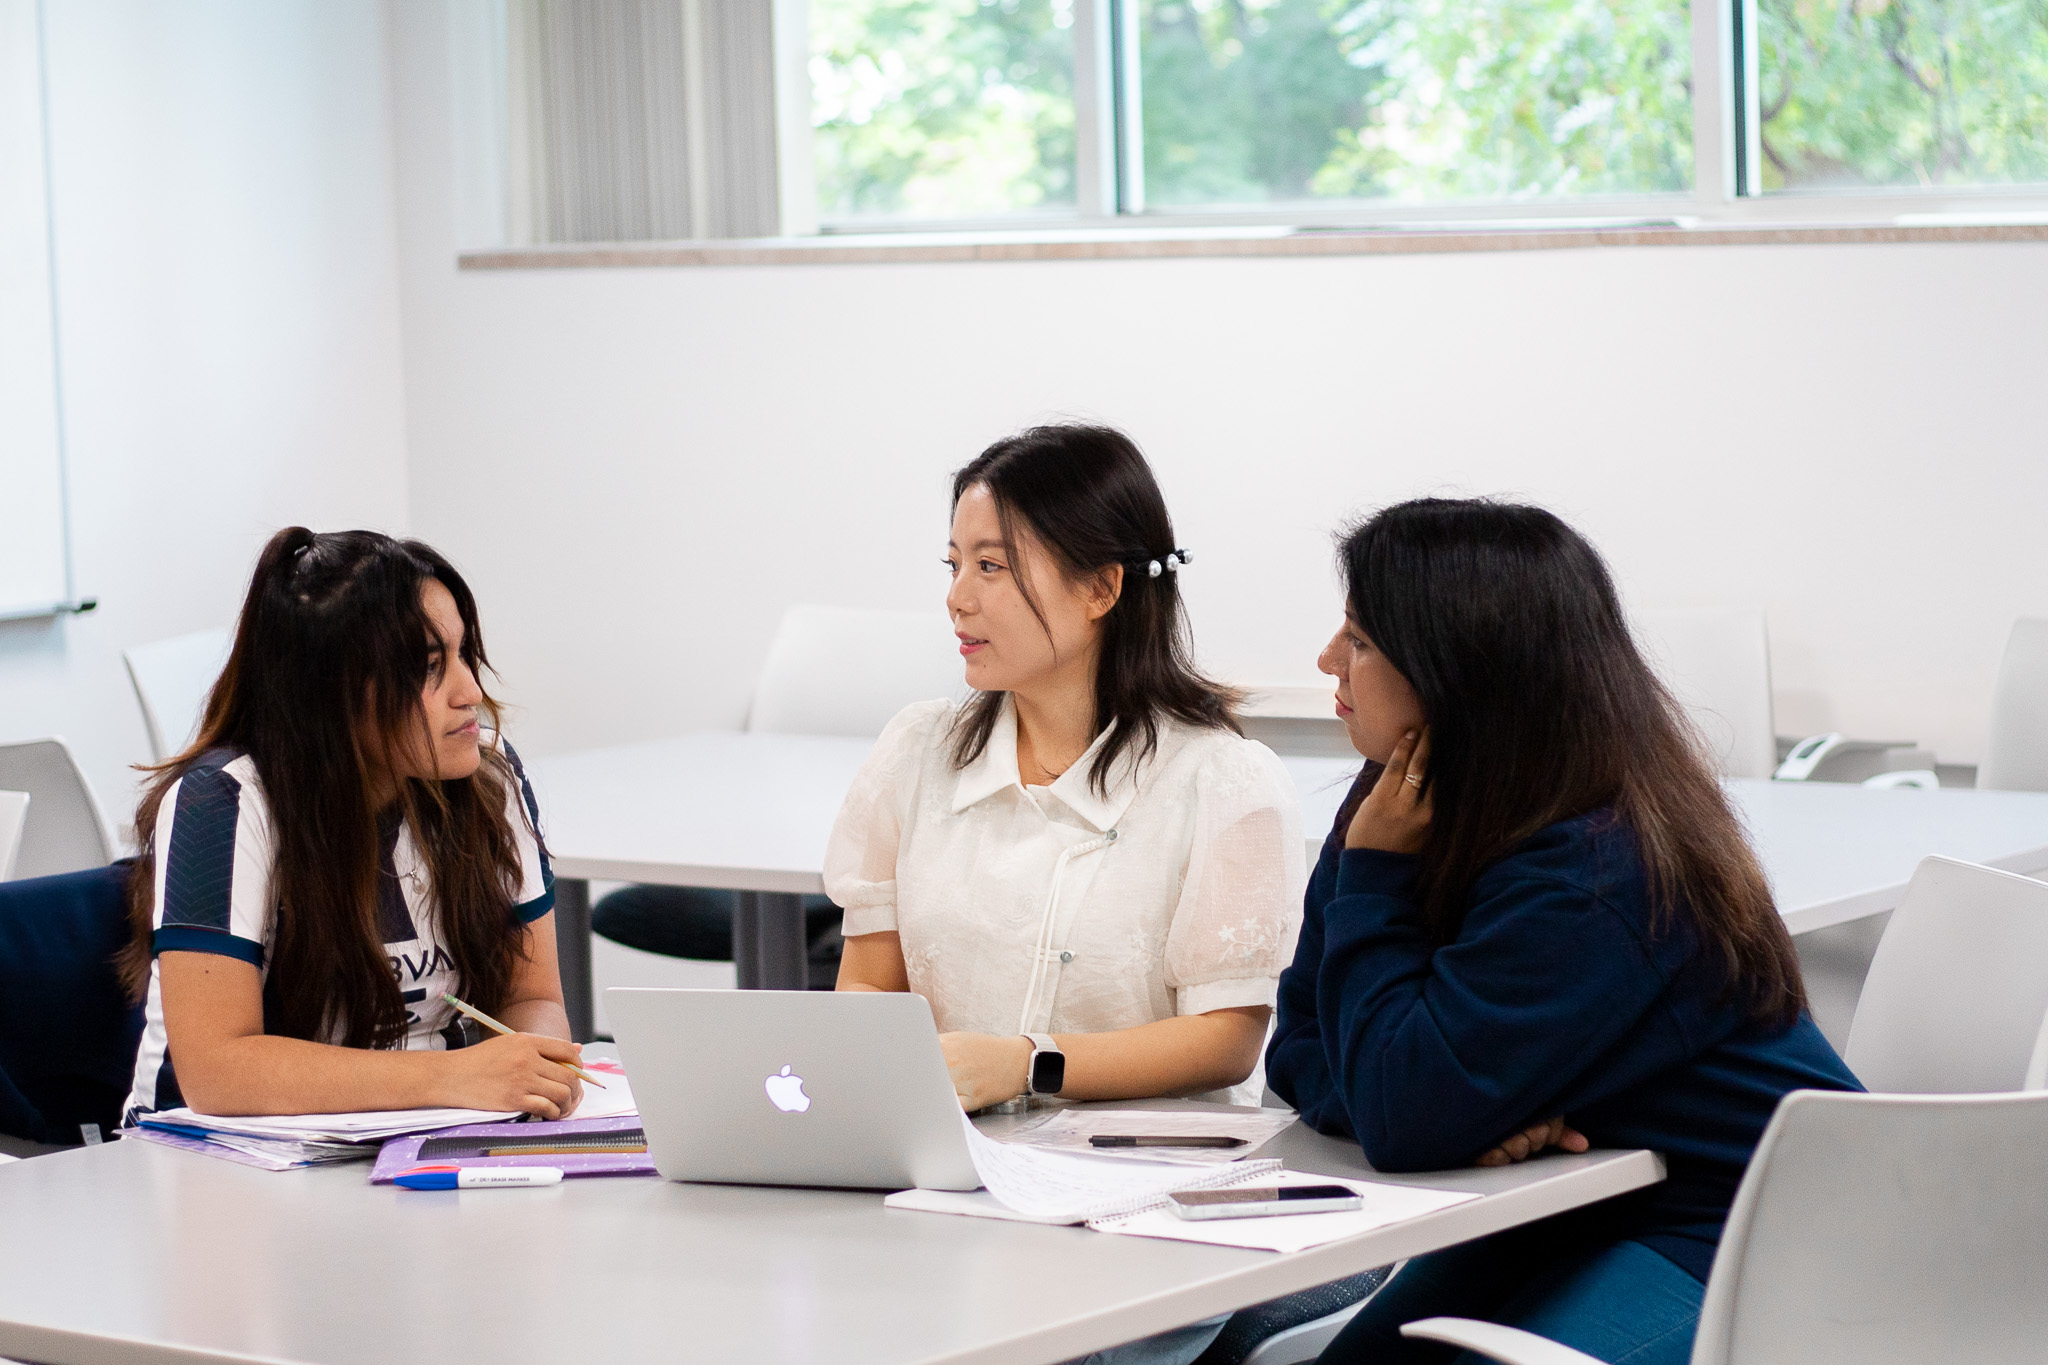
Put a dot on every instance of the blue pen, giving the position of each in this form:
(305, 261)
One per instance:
(182, 1129)
(477, 1177)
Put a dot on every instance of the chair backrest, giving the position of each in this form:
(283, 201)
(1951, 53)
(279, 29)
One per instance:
(848, 670)
(1958, 989)
(65, 831)
(2016, 755)
(1718, 663)
(68, 1030)
(1886, 1228)
(172, 678)
(13, 815)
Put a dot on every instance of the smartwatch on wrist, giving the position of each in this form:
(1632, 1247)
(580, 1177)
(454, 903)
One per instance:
(1048, 1070)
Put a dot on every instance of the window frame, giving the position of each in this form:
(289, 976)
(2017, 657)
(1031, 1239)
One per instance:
(1727, 189)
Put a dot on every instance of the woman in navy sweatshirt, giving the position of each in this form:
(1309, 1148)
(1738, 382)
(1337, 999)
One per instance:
(1536, 912)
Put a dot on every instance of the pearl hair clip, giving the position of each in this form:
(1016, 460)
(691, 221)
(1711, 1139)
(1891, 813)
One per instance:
(1175, 561)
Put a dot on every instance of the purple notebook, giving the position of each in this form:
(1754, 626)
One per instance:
(453, 1146)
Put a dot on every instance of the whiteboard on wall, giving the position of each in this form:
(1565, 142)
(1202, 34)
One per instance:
(34, 560)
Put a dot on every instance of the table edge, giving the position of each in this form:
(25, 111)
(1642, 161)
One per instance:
(717, 878)
(1275, 1275)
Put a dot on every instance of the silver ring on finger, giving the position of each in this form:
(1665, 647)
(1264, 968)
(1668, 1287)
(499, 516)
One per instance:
(1411, 779)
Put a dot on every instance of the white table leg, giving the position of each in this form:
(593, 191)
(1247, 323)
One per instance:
(768, 945)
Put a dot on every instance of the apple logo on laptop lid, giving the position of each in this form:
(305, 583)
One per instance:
(786, 1092)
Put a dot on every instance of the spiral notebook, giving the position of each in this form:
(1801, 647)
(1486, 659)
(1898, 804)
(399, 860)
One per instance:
(576, 1147)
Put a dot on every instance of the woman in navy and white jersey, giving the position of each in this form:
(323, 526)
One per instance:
(347, 841)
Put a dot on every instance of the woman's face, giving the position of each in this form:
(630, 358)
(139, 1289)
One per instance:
(448, 702)
(1374, 701)
(1004, 644)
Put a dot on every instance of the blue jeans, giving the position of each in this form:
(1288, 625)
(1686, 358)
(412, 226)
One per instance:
(1619, 1302)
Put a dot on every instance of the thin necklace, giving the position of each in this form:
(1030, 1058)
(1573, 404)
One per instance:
(1052, 774)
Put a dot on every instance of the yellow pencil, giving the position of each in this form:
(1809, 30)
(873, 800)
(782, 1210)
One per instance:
(473, 1012)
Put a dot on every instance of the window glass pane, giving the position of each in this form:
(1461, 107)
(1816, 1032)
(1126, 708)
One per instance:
(1902, 92)
(942, 108)
(1250, 101)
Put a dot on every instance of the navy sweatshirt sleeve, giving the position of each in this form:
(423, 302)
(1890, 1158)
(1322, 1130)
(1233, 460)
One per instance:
(1562, 994)
(1435, 1055)
(1296, 1068)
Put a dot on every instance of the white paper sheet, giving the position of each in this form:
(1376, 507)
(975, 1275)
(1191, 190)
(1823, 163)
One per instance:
(1385, 1205)
(614, 1101)
(1073, 1187)
(968, 1203)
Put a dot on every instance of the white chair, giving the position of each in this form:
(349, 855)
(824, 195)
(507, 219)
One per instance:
(13, 815)
(829, 671)
(1718, 664)
(1303, 1343)
(1870, 1230)
(65, 831)
(1957, 992)
(848, 670)
(2016, 755)
(172, 678)
(1834, 757)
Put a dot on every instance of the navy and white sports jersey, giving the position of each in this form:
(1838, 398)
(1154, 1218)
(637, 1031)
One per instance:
(216, 893)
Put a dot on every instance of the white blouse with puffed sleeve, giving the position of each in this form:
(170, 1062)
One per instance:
(1064, 909)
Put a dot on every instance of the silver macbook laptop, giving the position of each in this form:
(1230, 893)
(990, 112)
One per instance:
(792, 1088)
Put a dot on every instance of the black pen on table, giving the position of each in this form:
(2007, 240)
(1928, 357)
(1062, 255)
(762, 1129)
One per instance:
(1162, 1140)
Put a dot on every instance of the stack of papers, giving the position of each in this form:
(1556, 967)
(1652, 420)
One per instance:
(288, 1141)
(1030, 1184)
(1046, 1175)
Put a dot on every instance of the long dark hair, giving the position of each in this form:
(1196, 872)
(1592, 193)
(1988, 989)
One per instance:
(1506, 623)
(322, 690)
(1088, 496)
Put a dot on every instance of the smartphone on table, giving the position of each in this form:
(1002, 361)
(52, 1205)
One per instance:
(1263, 1201)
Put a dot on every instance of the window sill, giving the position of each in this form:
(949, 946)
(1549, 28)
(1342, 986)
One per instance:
(1143, 244)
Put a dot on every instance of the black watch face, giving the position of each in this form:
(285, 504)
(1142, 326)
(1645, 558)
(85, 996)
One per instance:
(1048, 1072)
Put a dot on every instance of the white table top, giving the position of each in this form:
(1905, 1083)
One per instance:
(747, 811)
(1833, 851)
(753, 812)
(128, 1252)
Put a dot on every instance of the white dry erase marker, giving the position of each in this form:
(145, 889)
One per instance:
(477, 1177)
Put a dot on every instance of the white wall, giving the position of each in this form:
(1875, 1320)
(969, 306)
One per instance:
(640, 468)
(229, 327)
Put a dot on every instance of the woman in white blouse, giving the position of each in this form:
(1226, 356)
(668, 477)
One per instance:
(1087, 849)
